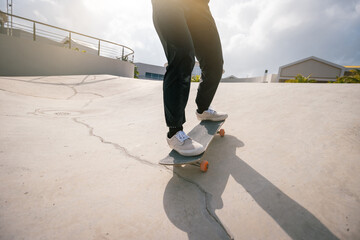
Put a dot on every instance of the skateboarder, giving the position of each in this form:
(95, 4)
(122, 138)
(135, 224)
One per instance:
(187, 29)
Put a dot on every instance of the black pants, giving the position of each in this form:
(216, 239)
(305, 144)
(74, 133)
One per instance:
(187, 29)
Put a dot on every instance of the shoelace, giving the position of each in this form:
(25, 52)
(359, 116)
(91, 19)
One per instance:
(181, 135)
(210, 111)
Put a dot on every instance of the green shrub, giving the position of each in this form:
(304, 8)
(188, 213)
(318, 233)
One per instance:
(352, 77)
(301, 79)
(136, 72)
(196, 78)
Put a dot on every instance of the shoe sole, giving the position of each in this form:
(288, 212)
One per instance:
(191, 153)
(212, 119)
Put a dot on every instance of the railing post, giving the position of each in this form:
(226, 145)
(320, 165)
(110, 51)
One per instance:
(34, 32)
(99, 48)
(11, 22)
(69, 40)
(7, 29)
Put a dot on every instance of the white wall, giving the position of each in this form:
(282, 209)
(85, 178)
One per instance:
(263, 79)
(319, 69)
(311, 67)
(23, 57)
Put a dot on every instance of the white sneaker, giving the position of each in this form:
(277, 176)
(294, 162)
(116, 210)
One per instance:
(211, 115)
(184, 145)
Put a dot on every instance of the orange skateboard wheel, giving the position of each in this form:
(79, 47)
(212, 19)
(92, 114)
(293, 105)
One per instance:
(204, 166)
(222, 132)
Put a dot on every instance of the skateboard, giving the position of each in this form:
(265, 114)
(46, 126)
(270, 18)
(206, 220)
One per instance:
(203, 133)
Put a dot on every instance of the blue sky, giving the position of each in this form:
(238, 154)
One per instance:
(255, 34)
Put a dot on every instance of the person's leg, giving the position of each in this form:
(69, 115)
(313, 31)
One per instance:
(208, 50)
(171, 26)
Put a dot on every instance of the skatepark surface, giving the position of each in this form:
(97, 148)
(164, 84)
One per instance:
(79, 160)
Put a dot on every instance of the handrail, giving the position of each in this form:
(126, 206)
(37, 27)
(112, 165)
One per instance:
(123, 57)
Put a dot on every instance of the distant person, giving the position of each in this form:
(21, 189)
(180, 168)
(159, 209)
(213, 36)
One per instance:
(187, 29)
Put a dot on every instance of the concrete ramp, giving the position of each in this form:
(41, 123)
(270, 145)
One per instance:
(79, 160)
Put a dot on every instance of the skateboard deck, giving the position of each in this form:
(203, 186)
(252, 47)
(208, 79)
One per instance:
(203, 133)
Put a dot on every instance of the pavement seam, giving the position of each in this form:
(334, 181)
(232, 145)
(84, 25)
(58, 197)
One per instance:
(148, 163)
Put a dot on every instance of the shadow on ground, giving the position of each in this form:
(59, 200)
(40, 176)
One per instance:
(195, 213)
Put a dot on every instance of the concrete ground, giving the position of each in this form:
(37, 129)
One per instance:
(79, 160)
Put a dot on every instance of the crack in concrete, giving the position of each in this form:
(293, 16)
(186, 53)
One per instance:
(83, 80)
(65, 85)
(28, 95)
(148, 163)
(75, 92)
(33, 80)
(91, 93)
(87, 104)
(115, 145)
(207, 195)
(98, 81)
(59, 84)
(35, 112)
(12, 115)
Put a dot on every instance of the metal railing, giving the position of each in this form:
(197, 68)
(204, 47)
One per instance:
(38, 31)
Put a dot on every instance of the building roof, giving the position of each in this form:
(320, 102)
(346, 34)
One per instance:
(313, 58)
(352, 67)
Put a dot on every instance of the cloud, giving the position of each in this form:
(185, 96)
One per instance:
(259, 34)
(48, 1)
(129, 23)
(255, 34)
(39, 16)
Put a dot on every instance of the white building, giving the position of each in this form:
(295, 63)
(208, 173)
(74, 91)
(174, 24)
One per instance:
(267, 78)
(318, 69)
(154, 72)
(151, 72)
(197, 70)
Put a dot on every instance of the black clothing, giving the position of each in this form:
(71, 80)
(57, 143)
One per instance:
(187, 29)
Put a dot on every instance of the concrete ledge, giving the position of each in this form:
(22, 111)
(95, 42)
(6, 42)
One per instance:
(24, 57)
